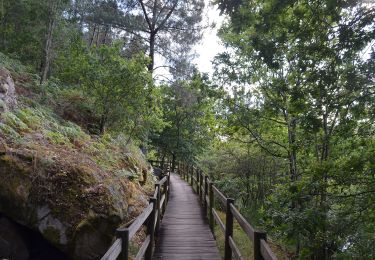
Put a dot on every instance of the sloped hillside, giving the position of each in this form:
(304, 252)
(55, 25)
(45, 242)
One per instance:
(72, 187)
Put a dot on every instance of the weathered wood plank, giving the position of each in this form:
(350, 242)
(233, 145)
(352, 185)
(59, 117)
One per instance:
(266, 251)
(218, 220)
(220, 196)
(142, 250)
(134, 227)
(235, 249)
(114, 251)
(249, 230)
(184, 233)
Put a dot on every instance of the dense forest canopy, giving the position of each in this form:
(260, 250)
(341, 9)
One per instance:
(285, 125)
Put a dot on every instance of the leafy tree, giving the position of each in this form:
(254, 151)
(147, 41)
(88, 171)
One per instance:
(122, 89)
(302, 62)
(170, 21)
(189, 113)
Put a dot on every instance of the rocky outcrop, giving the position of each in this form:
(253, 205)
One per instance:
(76, 208)
(57, 181)
(7, 91)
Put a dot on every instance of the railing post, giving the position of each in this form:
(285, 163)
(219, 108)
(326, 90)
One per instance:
(191, 176)
(212, 205)
(201, 195)
(151, 230)
(185, 172)
(205, 193)
(124, 235)
(165, 192)
(197, 180)
(169, 186)
(258, 235)
(228, 229)
(157, 186)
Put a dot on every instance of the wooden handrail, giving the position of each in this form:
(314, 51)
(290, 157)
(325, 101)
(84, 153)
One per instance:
(208, 193)
(151, 216)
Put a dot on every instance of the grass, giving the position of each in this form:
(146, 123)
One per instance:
(244, 244)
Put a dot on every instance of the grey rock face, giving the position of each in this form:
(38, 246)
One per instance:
(8, 99)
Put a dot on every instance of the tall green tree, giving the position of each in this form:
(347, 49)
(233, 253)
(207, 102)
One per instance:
(122, 89)
(190, 117)
(304, 64)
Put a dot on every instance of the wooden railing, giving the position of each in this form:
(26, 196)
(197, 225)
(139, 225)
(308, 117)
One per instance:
(208, 193)
(151, 217)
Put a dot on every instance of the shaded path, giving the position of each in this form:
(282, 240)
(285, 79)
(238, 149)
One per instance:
(184, 233)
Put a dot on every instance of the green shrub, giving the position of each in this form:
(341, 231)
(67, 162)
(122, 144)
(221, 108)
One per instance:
(57, 138)
(8, 131)
(14, 122)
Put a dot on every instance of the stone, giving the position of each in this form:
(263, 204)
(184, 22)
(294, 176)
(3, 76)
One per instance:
(8, 99)
(12, 245)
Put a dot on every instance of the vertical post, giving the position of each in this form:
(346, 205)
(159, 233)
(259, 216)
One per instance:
(205, 194)
(212, 205)
(228, 230)
(198, 184)
(151, 230)
(191, 176)
(165, 192)
(201, 195)
(169, 186)
(258, 235)
(186, 172)
(124, 235)
(157, 186)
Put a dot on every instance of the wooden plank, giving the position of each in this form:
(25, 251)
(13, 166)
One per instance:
(114, 251)
(142, 250)
(218, 220)
(266, 251)
(247, 228)
(156, 192)
(134, 227)
(220, 196)
(162, 200)
(235, 249)
(184, 232)
(161, 182)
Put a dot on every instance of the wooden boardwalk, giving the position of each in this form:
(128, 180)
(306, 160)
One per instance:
(184, 233)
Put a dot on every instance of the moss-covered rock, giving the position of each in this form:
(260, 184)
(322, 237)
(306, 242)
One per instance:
(73, 188)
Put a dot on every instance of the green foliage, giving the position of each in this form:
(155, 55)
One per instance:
(122, 90)
(188, 108)
(301, 92)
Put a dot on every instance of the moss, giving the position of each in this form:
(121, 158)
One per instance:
(14, 122)
(9, 132)
(52, 235)
(74, 133)
(123, 173)
(29, 117)
(14, 187)
(56, 138)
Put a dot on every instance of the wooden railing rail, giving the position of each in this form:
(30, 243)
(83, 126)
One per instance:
(208, 193)
(151, 217)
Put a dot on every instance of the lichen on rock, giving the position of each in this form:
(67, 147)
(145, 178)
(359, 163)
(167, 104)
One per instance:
(8, 99)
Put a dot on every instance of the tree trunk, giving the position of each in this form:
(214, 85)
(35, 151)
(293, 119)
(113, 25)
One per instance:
(48, 46)
(152, 52)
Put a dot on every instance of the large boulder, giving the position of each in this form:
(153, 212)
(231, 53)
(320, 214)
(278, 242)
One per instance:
(7, 91)
(75, 207)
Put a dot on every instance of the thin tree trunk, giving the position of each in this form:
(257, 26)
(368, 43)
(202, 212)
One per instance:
(152, 52)
(92, 36)
(48, 45)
